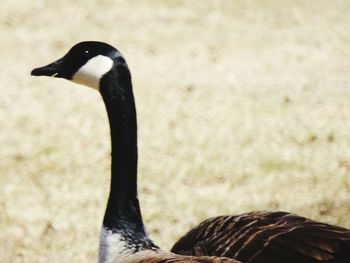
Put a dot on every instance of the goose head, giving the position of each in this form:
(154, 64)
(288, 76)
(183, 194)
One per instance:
(85, 63)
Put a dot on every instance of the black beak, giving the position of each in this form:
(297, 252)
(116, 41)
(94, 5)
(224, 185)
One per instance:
(53, 70)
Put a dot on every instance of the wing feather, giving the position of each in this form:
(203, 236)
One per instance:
(263, 236)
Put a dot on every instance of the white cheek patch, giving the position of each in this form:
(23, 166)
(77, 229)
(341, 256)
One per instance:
(92, 71)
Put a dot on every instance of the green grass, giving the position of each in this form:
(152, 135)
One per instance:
(242, 105)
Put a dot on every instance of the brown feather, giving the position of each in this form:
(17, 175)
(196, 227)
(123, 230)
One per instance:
(263, 236)
(187, 259)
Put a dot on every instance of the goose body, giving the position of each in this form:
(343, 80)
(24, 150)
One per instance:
(265, 236)
(123, 236)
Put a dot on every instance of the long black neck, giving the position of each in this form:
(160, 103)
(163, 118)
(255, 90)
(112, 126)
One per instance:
(123, 212)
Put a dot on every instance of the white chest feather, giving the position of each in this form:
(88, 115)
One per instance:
(113, 249)
(91, 73)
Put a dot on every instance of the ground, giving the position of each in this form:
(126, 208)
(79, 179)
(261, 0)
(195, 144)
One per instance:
(242, 105)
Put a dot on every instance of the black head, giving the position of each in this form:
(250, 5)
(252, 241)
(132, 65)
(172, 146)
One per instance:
(85, 63)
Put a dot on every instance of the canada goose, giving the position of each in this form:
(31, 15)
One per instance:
(123, 236)
(264, 236)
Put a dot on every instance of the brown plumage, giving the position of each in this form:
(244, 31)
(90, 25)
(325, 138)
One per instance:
(264, 236)
(188, 259)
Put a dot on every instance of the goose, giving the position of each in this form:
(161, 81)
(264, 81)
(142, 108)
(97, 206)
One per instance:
(258, 237)
(123, 237)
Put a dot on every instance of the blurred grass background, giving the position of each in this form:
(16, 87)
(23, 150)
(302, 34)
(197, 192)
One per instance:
(242, 105)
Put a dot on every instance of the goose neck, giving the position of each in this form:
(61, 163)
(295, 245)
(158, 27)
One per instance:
(123, 211)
